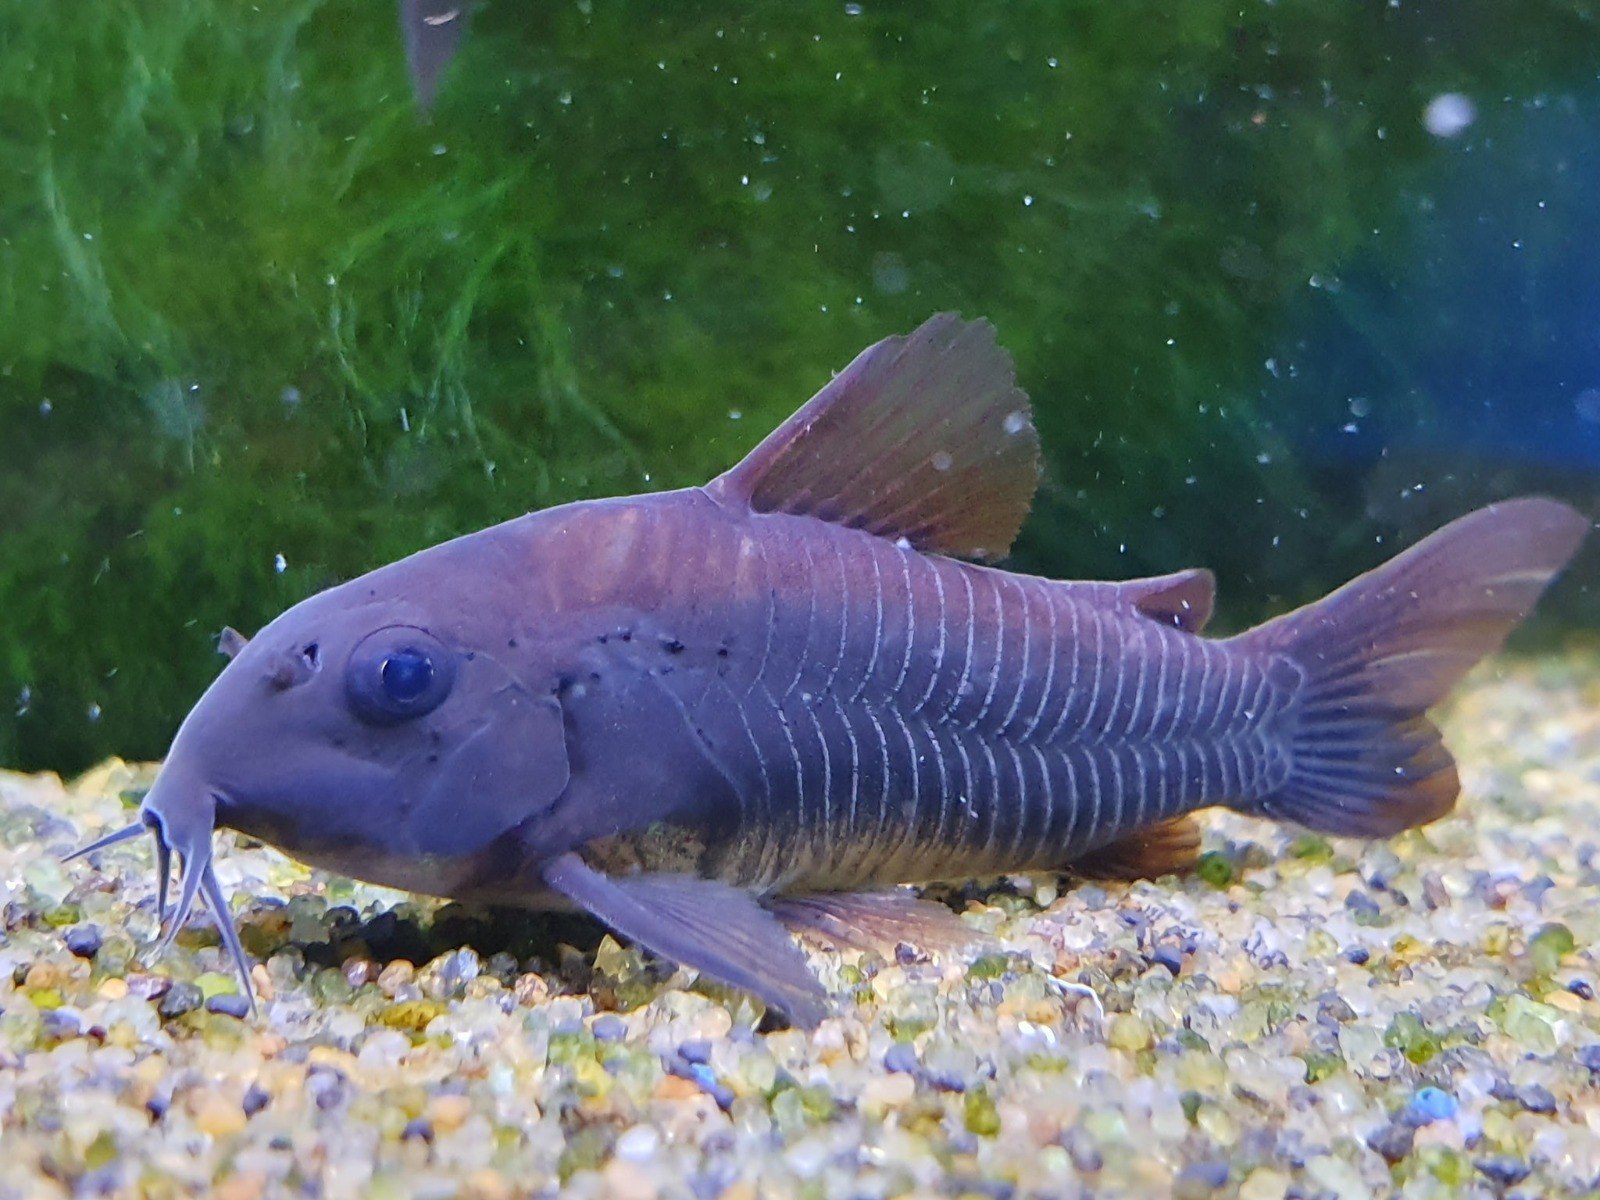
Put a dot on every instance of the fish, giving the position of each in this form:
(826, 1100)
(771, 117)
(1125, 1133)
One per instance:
(432, 30)
(716, 716)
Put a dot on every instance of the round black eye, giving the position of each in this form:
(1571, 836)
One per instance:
(406, 675)
(397, 674)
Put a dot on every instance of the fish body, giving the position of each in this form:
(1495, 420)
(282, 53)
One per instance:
(708, 714)
(840, 711)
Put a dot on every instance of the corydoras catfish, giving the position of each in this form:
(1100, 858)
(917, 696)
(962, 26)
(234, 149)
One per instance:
(713, 715)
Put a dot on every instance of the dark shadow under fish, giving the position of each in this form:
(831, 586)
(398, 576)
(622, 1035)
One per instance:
(711, 715)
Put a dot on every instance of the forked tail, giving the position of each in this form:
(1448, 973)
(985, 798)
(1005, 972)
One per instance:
(1380, 651)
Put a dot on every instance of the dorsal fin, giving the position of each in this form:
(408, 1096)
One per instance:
(1183, 599)
(924, 437)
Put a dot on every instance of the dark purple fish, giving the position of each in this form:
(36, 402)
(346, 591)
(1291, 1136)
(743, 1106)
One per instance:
(710, 715)
(432, 30)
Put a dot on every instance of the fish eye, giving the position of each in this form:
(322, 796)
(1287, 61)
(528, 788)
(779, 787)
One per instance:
(397, 674)
(406, 675)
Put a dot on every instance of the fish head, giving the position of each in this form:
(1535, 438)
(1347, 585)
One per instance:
(382, 727)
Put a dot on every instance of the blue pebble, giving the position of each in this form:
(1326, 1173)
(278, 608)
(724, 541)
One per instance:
(229, 1004)
(1431, 1104)
(83, 940)
(1169, 957)
(608, 1027)
(697, 1051)
(902, 1057)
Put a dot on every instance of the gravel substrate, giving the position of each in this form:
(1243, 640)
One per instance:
(1299, 1018)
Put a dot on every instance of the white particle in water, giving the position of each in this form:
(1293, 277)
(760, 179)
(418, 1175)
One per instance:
(279, 563)
(1587, 405)
(942, 461)
(1016, 422)
(94, 712)
(1449, 114)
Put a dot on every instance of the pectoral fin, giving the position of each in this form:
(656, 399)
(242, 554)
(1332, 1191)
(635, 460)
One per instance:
(701, 924)
(1163, 849)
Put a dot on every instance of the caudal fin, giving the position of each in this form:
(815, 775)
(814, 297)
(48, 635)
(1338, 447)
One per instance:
(1378, 653)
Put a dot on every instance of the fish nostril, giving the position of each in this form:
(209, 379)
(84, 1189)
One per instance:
(293, 667)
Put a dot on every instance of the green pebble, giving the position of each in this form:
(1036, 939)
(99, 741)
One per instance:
(1447, 1165)
(1320, 1066)
(63, 915)
(331, 987)
(117, 951)
(1411, 1037)
(570, 1047)
(102, 1151)
(1311, 847)
(989, 966)
(1549, 945)
(214, 983)
(789, 1110)
(1191, 1102)
(817, 1102)
(982, 1117)
(1128, 1032)
(586, 1149)
(1531, 1024)
(412, 1016)
(1215, 868)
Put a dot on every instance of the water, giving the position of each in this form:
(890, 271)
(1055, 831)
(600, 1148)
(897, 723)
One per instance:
(1284, 283)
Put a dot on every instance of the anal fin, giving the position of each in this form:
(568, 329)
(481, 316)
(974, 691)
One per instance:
(874, 920)
(701, 924)
(1172, 846)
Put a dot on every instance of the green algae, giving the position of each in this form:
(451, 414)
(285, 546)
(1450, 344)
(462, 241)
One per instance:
(265, 328)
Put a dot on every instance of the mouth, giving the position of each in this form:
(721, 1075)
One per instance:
(184, 829)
